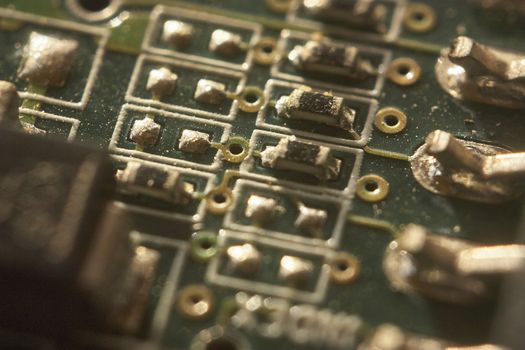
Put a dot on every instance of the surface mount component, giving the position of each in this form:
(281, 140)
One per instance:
(64, 250)
(325, 58)
(466, 169)
(304, 157)
(471, 71)
(157, 182)
(446, 268)
(359, 14)
(47, 60)
(317, 107)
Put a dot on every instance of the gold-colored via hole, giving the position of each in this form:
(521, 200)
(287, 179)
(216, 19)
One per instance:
(420, 18)
(236, 149)
(195, 301)
(404, 71)
(372, 188)
(251, 99)
(264, 52)
(279, 6)
(344, 268)
(218, 200)
(390, 120)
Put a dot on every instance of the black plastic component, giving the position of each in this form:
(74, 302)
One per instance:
(52, 197)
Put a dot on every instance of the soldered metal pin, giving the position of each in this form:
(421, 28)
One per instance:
(448, 269)
(326, 58)
(304, 157)
(466, 169)
(318, 107)
(472, 71)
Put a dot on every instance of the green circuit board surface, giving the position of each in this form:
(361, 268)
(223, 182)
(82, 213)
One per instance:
(106, 93)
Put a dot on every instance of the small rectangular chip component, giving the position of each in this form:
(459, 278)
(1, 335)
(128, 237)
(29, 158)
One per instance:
(304, 157)
(327, 58)
(317, 107)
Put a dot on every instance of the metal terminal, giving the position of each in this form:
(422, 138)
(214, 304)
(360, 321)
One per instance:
(317, 107)
(262, 210)
(295, 270)
(244, 258)
(177, 33)
(145, 132)
(158, 182)
(47, 60)
(465, 169)
(448, 269)
(325, 58)
(161, 82)
(471, 71)
(210, 92)
(194, 141)
(9, 103)
(359, 14)
(226, 43)
(304, 157)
